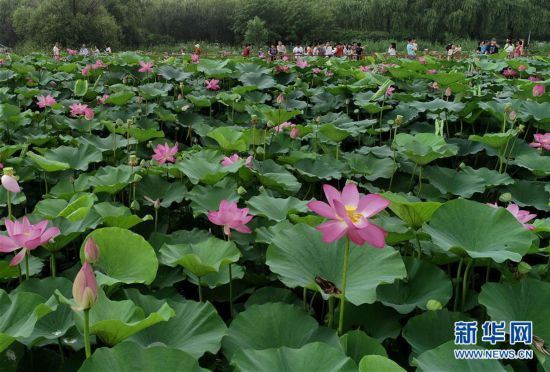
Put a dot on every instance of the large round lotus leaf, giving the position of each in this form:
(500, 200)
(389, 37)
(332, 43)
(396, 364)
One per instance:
(478, 230)
(276, 209)
(111, 179)
(273, 325)
(197, 328)
(271, 294)
(423, 148)
(204, 166)
(413, 213)
(298, 256)
(315, 356)
(356, 344)
(431, 329)
(424, 282)
(129, 357)
(527, 300)
(377, 320)
(378, 363)
(449, 181)
(156, 187)
(19, 313)
(77, 157)
(202, 258)
(442, 359)
(125, 257)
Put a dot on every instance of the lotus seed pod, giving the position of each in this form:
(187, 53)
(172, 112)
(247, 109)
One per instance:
(241, 190)
(505, 198)
(524, 267)
(508, 107)
(399, 120)
(434, 305)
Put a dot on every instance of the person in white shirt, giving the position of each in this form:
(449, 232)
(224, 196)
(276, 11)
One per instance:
(83, 50)
(281, 49)
(328, 50)
(392, 50)
(56, 51)
(108, 49)
(298, 51)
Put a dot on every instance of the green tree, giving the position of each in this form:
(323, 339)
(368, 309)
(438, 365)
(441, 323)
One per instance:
(256, 32)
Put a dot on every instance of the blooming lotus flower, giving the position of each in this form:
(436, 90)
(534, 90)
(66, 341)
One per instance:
(25, 236)
(522, 216)
(285, 58)
(79, 109)
(434, 85)
(349, 214)
(10, 183)
(431, 72)
(512, 115)
(508, 72)
(212, 84)
(541, 141)
(294, 132)
(448, 92)
(422, 60)
(146, 67)
(281, 68)
(85, 288)
(329, 73)
(316, 71)
(102, 99)
(72, 52)
(165, 153)
(91, 251)
(301, 63)
(86, 70)
(522, 68)
(533, 78)
(538, 90)
(195, 58)
(364, 68)
(390, 90)
(98, 64)
(227, 161)
(230, 216)
(279, 128)
(46, 101)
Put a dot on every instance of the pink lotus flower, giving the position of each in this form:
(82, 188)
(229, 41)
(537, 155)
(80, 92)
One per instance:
(533, 78)
(212, 84)
(390, 90)
(422, 60)
(72, 52)
(316, 71)
(280, 98)
(86, 70)
(26, 236)
(85, 288)
(79, 109)
(364, 68)
(227, 161)
(285, 58)
(230, 216)
(46, 101)
(349, 214)
(522, 68)
(294, 132)
(513, 115)
(279, 128)
(538, 90)
(541, 141)
(91, 251)
(431, 72)
(329, 73)
(146, 67)
(10, 183)
(508, 72)
(522, 216)
(102, 99)
(165, 153)
(98, 64)
(434, 85)
(195, 58)
(281, 68)
(301, 63)
(448, 92)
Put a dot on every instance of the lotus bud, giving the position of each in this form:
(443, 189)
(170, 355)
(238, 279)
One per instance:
(524, 267)
(434, 305)
(521, 128)
(356, 111)
(241, 190)
(156, 202)
(347, 101)
(9, 181)
(512, 115)
(398, 120)
(462, 165)
(133, 160)
(505, 198)
(150, 144)
(134, 205)
(184, 108)
(318, 119)
(85, 288)
(179, 97)
(91, 251)
(508, 107)
(280, 99)
(448, 92)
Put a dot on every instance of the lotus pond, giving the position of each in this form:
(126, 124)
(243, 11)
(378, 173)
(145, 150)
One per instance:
(317, 215)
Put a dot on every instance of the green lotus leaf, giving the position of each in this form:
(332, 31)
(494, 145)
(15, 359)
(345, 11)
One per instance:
(491, 177)
(449, 181)
(119, 215)
(479, 231)
(196, 328)
(413, 213)
(79, 208)
(539, 111)
(311, 357)
(423, 148)
(272, 294)
(259, 80)
(373, 363)
(156, 187)
(357, 344)
(208, 198)
(205, 167)
(370, 167)
(424, 282)
(214, 68)
(324, 167)
(111, 179)
(298, 256)
(126, 257)
(495, 140)
(120, 98)
(274, 176)
(531, 193)
(274, 325)
(47, 164)
(154, 90)
(334, 133)
(202, 258)
(229, 139)
(172, 73)
(80, 88)
(129, 357)
(276, 209)
(109, 143)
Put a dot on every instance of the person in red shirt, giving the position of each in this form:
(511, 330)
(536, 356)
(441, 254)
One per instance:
(197, 49)
(339, 50)
(246, 51)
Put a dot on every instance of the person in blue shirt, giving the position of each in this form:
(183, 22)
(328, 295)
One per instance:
(411, 49)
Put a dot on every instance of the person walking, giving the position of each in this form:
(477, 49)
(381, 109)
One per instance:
(411, 49)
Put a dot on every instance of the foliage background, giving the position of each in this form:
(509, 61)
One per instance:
(136, 23)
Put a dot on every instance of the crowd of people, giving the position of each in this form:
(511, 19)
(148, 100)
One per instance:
(512, 49)
(83, 51)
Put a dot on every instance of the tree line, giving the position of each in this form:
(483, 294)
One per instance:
(141, 23)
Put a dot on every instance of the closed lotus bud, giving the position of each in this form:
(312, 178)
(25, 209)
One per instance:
(85, 288)
(156, 202)
(448, 92)
(508, 107)
(505, 198)
(150, 144)
(241, 190)
(9, 182)
(398, 120)
(280, 98)
(91, 251)
(513, 115)
(524, 267)
(179, 97)
(134, 205)
(434, 305)
(184, 108)
(133, 160)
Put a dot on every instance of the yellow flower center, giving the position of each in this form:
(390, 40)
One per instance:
(352, 213)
